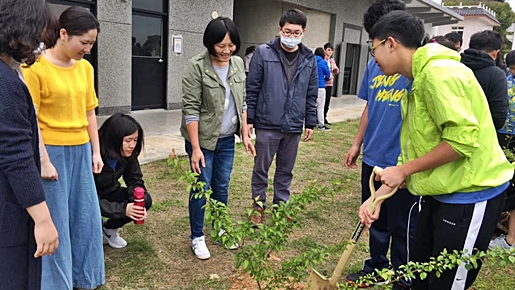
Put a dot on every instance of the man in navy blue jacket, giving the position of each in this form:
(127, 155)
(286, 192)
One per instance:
(282, 89)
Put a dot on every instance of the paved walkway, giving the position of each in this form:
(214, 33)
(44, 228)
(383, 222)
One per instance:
(162, 127)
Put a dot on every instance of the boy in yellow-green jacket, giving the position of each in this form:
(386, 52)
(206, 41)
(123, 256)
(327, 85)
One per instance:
(449, 151)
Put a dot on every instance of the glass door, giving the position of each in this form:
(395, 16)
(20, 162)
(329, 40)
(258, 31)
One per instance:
(148, 54)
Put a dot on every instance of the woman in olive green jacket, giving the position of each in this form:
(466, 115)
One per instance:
(213, 111)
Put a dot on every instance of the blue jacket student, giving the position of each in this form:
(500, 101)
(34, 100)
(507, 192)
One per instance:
(323, 71)
(282, 107)
(282, 90)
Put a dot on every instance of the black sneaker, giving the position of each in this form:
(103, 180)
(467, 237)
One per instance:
(324, 128)
(327, 123)
(354, 278)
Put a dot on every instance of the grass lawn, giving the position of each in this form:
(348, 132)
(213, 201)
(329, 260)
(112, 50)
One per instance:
(158, 255)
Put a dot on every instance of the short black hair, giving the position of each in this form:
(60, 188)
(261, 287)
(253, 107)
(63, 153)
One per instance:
(78, 21)
(499, 61)
(250, 49)
(454, 37)
(112, 132)
(486, 40)
(21, 28)
(404, 27)
(378, 9)
(442, 41)
(320, 52)
(328, 45)
(510, 58)
(294, 16)
(215, 32)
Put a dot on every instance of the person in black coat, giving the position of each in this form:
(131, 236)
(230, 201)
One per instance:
(121, 141)
(26, 228)
(480, 58)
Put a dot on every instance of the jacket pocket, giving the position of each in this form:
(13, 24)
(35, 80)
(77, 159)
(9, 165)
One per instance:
(238, 91)
(262, 107)
(207, 125)
(298, 110)
(212, 92)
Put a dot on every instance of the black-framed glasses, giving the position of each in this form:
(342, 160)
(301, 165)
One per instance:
(289, 33)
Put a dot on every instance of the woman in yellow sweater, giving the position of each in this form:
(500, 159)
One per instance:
(63, 91)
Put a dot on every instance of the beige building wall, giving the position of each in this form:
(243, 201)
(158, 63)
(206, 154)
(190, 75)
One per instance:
(258, 23)
(470, 26)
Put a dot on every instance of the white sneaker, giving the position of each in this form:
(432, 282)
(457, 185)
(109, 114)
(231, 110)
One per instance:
(112, 238)
(219, 242)
(199, 247)
(500, 242)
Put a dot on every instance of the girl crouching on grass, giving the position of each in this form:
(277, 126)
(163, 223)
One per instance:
(121, 140)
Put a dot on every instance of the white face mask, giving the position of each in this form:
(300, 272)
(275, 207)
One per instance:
(291, 42)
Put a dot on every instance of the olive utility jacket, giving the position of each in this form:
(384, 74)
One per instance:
(203, 95)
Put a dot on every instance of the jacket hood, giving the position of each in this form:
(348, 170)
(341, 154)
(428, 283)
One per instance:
(319, 58)
(476, 59)
(276, 45)
(429, 52)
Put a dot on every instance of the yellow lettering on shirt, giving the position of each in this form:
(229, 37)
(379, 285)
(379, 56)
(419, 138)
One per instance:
(384, 81)
(386, 93)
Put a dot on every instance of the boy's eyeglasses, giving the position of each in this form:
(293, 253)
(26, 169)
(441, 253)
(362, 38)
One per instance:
(289, 33)
(373, 48)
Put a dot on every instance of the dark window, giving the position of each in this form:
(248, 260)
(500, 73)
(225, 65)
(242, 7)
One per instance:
(146, 36)
(151, 5)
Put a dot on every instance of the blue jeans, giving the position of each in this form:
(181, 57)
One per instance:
(73, 204)
(216, 175)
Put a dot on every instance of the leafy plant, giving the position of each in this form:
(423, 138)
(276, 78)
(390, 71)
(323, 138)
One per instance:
(259, 243)
(445, 261)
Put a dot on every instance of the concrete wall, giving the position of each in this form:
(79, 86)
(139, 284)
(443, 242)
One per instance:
(114, 65)
(189, 19)
(470, 26)
(257, 21)
(328, 21)
(345, 11)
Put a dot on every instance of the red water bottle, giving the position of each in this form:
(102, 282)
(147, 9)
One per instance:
(139, 200)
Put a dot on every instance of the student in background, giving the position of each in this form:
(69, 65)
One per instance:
(506, 137)
(248, 56)
(333, 68)
(440, 40)
(323, 75)
(484, 48)
(455, 38)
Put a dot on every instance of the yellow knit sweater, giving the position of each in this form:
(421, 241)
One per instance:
(62, 97)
